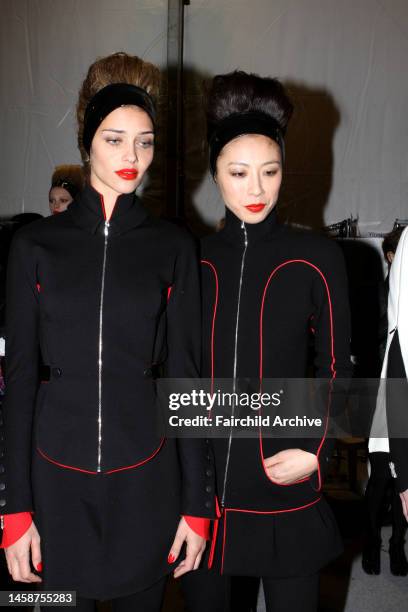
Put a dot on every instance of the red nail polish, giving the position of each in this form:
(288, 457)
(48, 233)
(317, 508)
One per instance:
(171, 558)
(39, 567)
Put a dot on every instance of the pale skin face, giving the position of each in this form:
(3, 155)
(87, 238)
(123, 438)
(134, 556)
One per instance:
(59, 199)
(249, 171)
(123, 141)
(390, 257)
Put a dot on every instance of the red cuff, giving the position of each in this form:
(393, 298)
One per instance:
(201, 526)
(15, 525)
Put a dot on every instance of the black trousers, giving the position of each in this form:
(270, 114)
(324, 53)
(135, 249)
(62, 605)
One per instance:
(149, 600)
(380, 480)
(206, 591)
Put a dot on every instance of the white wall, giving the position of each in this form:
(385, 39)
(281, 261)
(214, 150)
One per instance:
(345, 61)
(46, 47)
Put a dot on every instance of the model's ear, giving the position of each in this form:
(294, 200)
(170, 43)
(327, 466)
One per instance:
(215, 177)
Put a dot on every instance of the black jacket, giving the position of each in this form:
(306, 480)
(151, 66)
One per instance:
(91, 301)
(268, 281)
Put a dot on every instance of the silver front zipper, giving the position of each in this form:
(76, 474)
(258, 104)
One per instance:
(100, 355)
(234, 380)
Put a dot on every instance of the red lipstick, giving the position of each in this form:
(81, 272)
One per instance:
(129, 174)
(255, 208)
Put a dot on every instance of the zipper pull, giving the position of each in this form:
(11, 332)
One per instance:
(106, 228)
(245, 233)
(2, 522)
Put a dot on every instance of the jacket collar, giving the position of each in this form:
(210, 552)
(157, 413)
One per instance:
(87, 212)
(234, 229)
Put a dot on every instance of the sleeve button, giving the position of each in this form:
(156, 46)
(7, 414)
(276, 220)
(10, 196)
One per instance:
(207, 504)
(208, 473)
(208, 489)
(3, 503)
(2, 469)
(2, 486)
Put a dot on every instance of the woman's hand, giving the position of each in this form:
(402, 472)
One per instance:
(290, 465)
(404, 501)
(18, 556)
(194, 551)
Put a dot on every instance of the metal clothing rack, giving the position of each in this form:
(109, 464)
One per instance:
(347, 228)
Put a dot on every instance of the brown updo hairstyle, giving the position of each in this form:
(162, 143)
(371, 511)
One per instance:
(70, 177)
(241, 92)
(116, 68)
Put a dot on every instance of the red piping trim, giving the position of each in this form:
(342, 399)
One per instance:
(213, 543)
(169, 292)
(68, 467)
(273, 511)
(223, 540)
(77, 469)
(332, 365)
(208, 263)
(214, 534)
(38, 287)
(103, 206)
(308, 263)
(129, 467)
(319, 478)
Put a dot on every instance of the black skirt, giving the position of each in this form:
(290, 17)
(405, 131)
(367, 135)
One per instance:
(105, 536)
(280, 545)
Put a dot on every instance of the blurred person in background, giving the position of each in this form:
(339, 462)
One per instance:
(66, 183)
(397, 368)
(381, 481)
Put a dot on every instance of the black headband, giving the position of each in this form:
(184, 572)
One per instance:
(107, 100)
(239, 124)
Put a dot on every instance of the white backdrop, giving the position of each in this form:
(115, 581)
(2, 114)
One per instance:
(348, 143)
(46, 47)
(343, 62)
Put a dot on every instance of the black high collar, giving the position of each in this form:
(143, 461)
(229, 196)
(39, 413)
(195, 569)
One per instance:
(234, 228)
(87, 211)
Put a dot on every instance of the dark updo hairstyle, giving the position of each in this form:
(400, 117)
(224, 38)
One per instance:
(239, 92)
